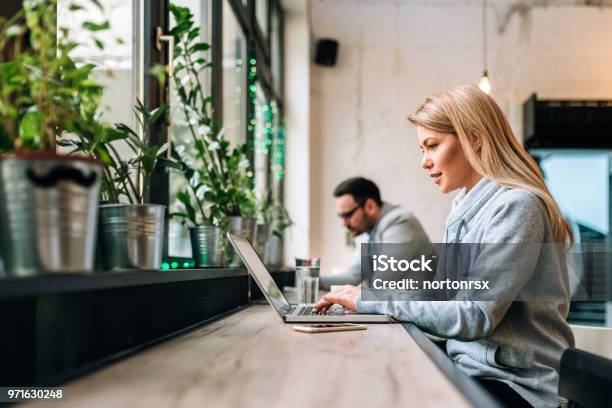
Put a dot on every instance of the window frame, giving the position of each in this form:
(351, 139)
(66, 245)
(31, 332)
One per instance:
(156, 16)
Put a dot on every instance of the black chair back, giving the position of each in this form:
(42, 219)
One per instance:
(585, 379)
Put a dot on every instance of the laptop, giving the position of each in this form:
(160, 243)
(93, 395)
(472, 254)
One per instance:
(293, 313)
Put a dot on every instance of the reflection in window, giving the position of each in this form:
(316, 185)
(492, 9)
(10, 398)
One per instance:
(234, 78)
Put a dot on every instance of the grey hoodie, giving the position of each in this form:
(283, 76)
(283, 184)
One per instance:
(517, 342)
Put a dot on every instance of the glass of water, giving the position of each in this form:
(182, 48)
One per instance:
(307, 285)
(307, 279)
(312, 262)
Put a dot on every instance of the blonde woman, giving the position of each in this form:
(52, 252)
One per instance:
(512, 347)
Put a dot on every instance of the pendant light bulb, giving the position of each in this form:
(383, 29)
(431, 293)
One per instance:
(485, 83)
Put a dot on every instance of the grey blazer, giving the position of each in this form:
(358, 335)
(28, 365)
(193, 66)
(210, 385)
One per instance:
(396, 225)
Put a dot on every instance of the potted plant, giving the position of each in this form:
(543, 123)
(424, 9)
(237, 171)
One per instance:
(130, 231)
(276, 220)
(200, 217)
(48, 201)
(222, 186)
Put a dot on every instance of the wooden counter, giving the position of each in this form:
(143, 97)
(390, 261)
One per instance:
(252, 359)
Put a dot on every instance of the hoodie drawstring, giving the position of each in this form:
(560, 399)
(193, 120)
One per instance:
(458, 234)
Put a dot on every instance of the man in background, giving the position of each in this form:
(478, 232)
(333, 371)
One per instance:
(365, 215)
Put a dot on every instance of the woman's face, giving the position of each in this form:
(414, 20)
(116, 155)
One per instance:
(444, 160)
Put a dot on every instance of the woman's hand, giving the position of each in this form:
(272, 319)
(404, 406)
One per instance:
(346, 296)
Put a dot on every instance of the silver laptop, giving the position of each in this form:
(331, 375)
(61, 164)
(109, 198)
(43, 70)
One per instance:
(292, 313)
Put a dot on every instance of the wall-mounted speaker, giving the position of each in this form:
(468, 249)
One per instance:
(326, 52)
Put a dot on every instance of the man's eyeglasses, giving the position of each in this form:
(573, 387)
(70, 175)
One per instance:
(348, 214)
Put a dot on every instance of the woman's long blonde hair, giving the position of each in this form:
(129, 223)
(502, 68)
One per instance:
(489, 145)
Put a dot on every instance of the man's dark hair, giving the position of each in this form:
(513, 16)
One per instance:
(360, 188)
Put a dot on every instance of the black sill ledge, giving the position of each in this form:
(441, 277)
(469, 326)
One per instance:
(56, 283)
(60, 326)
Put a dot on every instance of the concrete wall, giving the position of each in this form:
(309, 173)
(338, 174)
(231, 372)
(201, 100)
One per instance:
(297, 173)
(393, 54)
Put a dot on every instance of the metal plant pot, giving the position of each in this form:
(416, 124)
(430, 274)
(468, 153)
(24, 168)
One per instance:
(268, 246)
(241, 226)
(262, 232)
(131, 236)
(273, 253)
(48, 208)
(207, 245)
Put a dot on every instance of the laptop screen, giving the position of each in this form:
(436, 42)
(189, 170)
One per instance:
(260, 273)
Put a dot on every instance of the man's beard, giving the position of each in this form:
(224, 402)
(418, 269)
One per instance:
(368, 226)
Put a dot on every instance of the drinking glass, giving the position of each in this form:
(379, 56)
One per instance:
(307, 279)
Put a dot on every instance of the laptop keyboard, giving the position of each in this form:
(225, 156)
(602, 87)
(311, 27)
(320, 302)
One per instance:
(309, 311)
(306, 311)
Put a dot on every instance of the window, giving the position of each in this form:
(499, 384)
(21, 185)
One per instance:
(585, 204)
(234, 77)
(119, 61)
(179, 245)
(276, 54)
(245, 83)
(262, 142)
(261, 12)
(115, 52)
(246, 87)
(277, 165)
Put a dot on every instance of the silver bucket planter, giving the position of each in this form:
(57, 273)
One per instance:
(268, 245)
(131, 236)
(273, 252)
(262, 232)
(48, 208)
(241, 226)
(206, 245)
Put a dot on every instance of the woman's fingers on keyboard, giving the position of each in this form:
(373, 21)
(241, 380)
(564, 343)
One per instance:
(322, 305)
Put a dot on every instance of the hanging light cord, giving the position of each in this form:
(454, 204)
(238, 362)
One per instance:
(484, 35)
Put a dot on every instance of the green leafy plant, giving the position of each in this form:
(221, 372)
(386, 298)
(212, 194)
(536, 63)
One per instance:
(44, 92)
(217, 175)
(123, 173)
(195, 212)
(274, 213)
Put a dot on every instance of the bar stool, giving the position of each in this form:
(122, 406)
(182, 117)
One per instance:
(585, 379)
